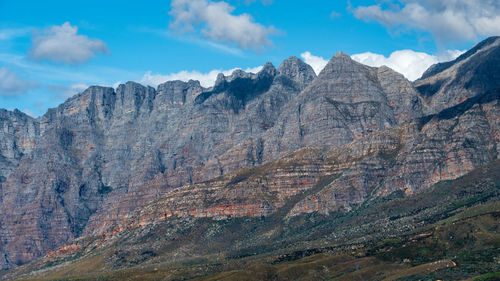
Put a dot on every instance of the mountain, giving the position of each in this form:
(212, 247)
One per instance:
(258, 158)
(17, 137)
(474, 72)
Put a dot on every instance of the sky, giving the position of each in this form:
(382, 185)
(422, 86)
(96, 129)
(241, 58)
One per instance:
(51, 50)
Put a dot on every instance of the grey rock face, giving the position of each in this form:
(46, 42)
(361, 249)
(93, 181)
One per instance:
(104, 153)
(99, 147)
(412, 157)
(474, 72)
(18, 132)
(347, 100)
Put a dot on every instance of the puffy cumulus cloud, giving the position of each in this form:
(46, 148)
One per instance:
(12, 85)
(317, 63)
(215, 21)
(407, 62)
(451, 20)
(63, 44)
(206, 79)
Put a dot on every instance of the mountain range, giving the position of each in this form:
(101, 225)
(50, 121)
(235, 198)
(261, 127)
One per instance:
(258, 174)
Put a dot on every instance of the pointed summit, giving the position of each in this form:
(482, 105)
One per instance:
(297, 70)
(342, 63)
(268, 70)
(341, 54)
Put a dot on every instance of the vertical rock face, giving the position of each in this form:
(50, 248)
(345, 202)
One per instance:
(447, 84)
(18, 132)
(91, 164)
(412, 157)
(98, 149)
(347, 100)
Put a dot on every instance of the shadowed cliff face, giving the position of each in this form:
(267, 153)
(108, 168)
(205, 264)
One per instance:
(409, 158)
(102, 145)
(475, 72)
(17, 138)
(316, 144)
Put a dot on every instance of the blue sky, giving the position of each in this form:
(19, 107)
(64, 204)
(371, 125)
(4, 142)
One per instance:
(50, 50)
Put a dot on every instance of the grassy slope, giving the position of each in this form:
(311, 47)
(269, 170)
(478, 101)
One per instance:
(393, 237)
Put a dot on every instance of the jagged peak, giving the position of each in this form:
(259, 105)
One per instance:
(268, 66)
(129, 85)
(241, 84)
(290, 62)
(267, 70)
(341, 54)
(16, 112)
(341, 62)
(297, 70)
(174, 83)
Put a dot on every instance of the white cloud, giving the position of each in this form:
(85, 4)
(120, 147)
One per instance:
(116, 84)
(11, 84)
(334, 15)
(407, 62)
(452, 20)
(218, 23)
(317, 63)
(9, 33)
(206, 79)
(63, 44)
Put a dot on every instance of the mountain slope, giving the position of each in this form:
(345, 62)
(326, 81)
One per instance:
(474, 72)
(454, 221)
(274, 145)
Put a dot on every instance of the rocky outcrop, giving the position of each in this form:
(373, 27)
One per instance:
(475, 72)
(348, 100)
(410, 158)
(18, 132)
(281, 141)
(100, 148)
(413, 157)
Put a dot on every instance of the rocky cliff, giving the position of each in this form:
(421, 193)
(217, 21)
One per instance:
(246, 147)
(450, 83)
(17, 138)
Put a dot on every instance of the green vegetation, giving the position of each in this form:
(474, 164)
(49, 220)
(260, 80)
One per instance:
(449, 232)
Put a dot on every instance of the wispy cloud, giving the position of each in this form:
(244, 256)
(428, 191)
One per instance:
(334, 15)
(48, 72)
(12, 85)
(216, 21)
(264, 2)
(63, 44)
(447, 21)
(10, 33)
(202, 42)
(67, 91)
